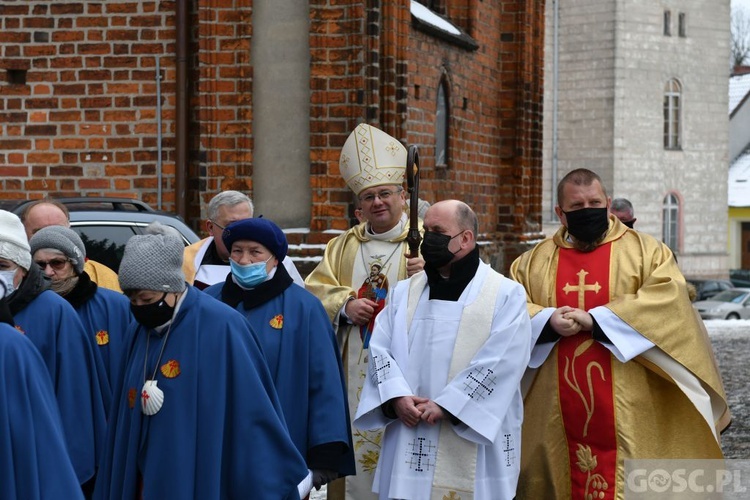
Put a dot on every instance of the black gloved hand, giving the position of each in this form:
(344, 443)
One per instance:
(323, 476)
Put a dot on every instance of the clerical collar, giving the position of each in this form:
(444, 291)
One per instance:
(211, 257)
(462, 272)
(391, 234)
(232, 294)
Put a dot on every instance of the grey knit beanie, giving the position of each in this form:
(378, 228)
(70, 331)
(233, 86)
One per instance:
(62, 239)
(153, 261)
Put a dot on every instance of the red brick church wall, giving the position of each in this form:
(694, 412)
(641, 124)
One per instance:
(78, 103)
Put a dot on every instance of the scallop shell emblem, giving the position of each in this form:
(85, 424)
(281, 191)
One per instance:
(102, 337)
(277, 321)
(170, 369)
(152, 398)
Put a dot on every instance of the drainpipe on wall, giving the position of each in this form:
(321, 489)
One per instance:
(555, 82)
(181, 107)
(158, 134)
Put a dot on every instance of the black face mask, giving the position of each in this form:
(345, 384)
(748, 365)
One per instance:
(153, 315)
(435, 249)
(587, 224)
(628, 223)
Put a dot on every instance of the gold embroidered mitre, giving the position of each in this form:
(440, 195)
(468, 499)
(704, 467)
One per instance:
(370, 157)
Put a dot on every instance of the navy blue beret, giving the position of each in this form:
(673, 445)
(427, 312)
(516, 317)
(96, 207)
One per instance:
(259, 230)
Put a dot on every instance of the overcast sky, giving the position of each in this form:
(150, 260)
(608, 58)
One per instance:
(744, 4)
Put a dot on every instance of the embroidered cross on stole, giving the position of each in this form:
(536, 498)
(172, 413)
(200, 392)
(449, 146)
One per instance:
(585, 382)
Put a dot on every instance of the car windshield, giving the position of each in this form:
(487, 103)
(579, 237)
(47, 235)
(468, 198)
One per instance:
(735, 296)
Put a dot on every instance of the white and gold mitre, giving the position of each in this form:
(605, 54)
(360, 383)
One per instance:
(370, 157)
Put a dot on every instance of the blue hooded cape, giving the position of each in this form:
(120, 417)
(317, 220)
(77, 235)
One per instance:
(219, 433)
(34, 463)
(106, 317)
(78, 378)
(300, 348)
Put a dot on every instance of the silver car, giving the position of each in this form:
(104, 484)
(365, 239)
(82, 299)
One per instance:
(729, 304)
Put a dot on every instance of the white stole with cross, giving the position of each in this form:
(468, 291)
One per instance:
(455, 466)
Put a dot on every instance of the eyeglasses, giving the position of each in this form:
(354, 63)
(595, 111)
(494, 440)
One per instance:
(218, 225)
(55, 264)
(383, 195)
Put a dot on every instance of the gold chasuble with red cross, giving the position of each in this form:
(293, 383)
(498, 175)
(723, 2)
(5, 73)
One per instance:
(585, 367)
(585, 411)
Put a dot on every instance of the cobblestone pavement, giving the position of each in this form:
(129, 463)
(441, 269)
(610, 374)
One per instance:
(731, 342)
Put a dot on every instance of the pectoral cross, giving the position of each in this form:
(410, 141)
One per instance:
(582, 288)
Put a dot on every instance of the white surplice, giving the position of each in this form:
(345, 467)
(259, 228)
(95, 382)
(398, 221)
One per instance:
(484, 395)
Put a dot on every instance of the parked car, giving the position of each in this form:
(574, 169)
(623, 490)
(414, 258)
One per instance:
(705, 289)
(729, 304)
(106, 224)
(740, 277)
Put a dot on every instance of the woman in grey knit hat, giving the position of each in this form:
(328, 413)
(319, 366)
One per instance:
(60, 254)
(196, 414)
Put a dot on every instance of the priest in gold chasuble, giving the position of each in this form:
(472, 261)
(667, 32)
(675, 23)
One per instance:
(622, 367)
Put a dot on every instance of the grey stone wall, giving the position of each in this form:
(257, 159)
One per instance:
(614, 63)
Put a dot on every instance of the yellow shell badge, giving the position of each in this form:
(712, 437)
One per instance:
(277, 321)
(102, 337)
(171, 368)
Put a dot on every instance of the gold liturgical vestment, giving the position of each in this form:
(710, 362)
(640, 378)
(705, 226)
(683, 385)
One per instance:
(651, 416)
(331, 282)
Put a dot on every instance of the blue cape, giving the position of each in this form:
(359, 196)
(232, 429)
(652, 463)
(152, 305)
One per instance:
(300, 348)
(106, 317)
(34, 462)
(78, 378)
(219, 433)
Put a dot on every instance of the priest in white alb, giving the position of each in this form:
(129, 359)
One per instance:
(447, 356)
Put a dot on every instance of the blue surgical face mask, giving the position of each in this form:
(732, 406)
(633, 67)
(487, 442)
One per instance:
(249, 275)
(6, 283)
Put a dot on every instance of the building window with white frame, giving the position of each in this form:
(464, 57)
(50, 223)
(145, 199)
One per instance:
(442, 125)
(672, 110)
(671, 214)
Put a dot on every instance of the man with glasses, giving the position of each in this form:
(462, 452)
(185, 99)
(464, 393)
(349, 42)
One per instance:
(372, 164)
(206, 262)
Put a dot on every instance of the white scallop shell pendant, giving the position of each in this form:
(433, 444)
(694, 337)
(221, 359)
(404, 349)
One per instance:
(152, 398)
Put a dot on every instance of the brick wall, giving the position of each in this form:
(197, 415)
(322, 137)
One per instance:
(84, 121)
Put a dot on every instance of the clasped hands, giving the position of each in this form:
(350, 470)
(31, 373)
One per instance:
(568, 321)
(413, 409)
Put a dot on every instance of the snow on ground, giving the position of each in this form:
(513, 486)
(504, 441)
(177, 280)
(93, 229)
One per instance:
(728, 328)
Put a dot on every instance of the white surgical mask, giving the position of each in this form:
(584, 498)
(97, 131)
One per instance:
(6, 283)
